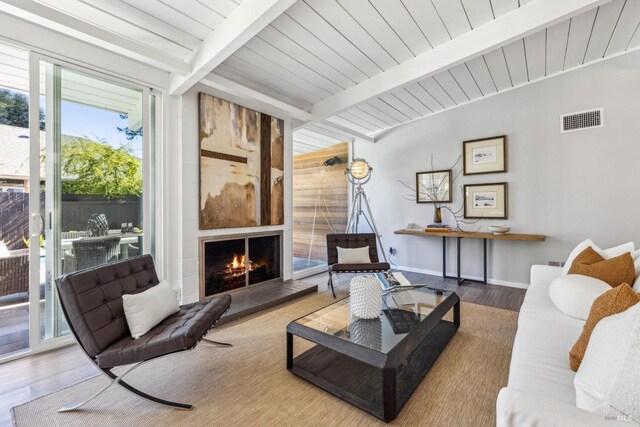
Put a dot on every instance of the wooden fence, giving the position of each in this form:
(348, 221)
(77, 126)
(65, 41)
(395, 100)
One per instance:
(76, 210)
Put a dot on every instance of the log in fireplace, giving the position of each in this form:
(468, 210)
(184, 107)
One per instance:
(235, 262)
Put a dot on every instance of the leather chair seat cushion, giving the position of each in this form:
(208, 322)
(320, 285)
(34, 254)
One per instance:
(374, 266)
(180, 331)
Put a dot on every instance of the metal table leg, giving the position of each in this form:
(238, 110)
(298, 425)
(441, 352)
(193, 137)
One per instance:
(444, 257)
(484, 249)
(458, 250)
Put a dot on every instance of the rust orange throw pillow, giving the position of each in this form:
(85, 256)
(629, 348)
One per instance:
(611, 302)
(614, 271)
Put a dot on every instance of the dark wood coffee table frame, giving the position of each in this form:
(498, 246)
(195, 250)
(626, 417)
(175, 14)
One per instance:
(378, 383)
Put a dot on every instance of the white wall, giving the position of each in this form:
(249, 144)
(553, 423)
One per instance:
(188, 213)
(567, 186)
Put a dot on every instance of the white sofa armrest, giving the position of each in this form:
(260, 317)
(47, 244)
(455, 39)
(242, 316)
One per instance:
(517, 408)
(544, 274)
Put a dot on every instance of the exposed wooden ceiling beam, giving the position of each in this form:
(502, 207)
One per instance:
(66, 24)
(517, 24)
(261, 100)
(336, 131)
(246, 21)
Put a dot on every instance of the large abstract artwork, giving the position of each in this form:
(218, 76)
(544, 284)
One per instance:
(241, 166)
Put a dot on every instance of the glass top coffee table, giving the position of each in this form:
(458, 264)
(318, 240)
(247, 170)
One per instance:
(375, 364)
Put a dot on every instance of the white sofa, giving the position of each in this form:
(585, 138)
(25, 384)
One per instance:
(540, 390)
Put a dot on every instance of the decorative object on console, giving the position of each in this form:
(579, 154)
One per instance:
(615, 271)
(575, 294)
(434, 187)
(241, 166)
(427, 188)
(498, 230)
(365, 297)
(439, 228)
(487, 155)
(606, 253)
(608, 377)
(483, 201)
(611, 302)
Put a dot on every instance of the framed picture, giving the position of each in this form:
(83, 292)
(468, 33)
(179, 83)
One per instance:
(434, 186)
(485, 201)
(487, 155)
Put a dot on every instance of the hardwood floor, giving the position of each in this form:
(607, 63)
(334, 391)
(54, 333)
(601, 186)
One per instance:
(25, 379)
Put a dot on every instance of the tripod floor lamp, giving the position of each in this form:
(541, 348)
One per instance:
(359, 173)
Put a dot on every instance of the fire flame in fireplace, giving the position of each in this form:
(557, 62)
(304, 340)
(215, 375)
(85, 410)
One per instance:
(235, 263)
(239, 266)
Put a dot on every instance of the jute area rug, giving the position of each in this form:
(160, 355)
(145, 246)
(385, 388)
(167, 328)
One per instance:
(248, 384)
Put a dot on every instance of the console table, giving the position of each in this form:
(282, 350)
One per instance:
(459, 235)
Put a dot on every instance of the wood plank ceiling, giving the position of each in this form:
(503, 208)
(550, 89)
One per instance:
(320, 48)
(174, 27)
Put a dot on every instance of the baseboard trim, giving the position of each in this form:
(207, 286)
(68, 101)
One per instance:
(489, 280)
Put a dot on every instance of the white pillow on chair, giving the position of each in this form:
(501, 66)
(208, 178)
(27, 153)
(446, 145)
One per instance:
(353, 255)
(146, 309)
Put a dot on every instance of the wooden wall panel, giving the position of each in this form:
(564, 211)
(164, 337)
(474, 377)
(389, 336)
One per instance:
(319, 192)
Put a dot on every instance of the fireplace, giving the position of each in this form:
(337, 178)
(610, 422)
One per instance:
(234, 262)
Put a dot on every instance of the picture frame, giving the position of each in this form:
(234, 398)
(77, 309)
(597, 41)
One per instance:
(486, 155)
(434, 186)
(486, 201)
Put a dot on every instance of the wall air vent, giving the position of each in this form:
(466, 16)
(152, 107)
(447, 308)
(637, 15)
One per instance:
(582, 120)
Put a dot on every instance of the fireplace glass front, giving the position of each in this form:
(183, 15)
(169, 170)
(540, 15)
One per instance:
(239, 262)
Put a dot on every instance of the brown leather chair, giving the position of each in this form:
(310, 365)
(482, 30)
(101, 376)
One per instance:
(352, 240)
(91, 300)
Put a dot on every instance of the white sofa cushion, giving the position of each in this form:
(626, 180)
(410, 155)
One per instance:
(574, 294)
(605, 253)
(540, 355)
(608, 380)
(517, 408)
(145, 310)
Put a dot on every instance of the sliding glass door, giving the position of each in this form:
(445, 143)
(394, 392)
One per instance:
(77, 186)
(91, 163)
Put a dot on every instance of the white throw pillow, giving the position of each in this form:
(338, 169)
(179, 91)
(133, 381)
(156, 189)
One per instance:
(636, 263)
(605, 253)
(574, 294)
(146, 309)
(353, 255)
(608, 380)
(4, 250)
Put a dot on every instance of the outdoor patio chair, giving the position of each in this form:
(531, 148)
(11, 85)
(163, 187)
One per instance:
(91, 300)
(352, 240)
(91, 252)
(14, 273)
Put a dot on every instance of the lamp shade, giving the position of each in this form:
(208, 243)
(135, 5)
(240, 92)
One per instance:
(359, 169)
